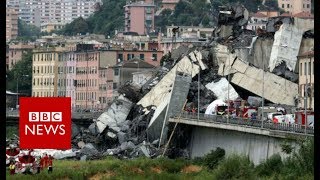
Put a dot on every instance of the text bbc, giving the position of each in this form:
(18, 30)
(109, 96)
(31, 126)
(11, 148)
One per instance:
(45, 116)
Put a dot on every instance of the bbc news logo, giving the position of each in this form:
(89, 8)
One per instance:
(45, 129)
(45, 123)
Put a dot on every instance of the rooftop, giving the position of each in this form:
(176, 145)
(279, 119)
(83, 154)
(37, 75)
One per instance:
(304, 15)
(259, 15)
(307, 54)
(133, 63)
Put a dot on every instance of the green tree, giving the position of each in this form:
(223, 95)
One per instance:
(79, 25)
(27, 31)
(21, 73)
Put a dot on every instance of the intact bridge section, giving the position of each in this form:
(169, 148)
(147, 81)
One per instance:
(254, 139)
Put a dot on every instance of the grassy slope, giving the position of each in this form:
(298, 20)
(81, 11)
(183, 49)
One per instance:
(112, 168)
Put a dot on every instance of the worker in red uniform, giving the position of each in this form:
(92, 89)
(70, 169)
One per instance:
(44, 161)
(193, 111)
(46, 158)
(50, 159)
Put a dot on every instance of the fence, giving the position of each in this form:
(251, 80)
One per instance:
(296, 128)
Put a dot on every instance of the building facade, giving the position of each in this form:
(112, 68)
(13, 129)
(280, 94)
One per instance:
(11, 24)
(139, 17)
(189, 32)
(51, 26)
(295, 6)
(306, 78)
(15, 53)
(37, 12)
(87, 76)
(46, 65)
(257, 20)
(71, 77)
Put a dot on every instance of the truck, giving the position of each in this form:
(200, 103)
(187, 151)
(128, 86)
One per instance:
(300, 118)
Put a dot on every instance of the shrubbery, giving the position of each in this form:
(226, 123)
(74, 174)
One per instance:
(212, 159)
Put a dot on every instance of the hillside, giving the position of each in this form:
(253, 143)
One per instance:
(110, 16)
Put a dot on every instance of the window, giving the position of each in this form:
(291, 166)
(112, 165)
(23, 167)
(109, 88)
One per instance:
(288, 5)
(142, 56)
(114, 85)
(308, 5)
(303, 5)
(154, 57)
(282, 5)
(305, 68)
(300, 70)
(309, 68)
(116, 72)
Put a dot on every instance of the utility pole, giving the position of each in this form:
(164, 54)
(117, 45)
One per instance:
(17, 94)
(17, 101)
(305, 98)
(228, 91)
(199, 93)
(262, 111)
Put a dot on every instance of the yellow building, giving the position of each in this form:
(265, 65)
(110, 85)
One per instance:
(48, 27)
(45, 73)
(306, 77)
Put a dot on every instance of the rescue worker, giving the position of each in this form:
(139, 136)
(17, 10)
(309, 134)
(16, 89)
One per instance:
(193, 111)
(41, 163)
(234, 115)
(50, 159)
(12, 168)
(46, 160)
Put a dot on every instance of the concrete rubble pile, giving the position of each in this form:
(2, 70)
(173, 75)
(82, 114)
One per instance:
(136, 124)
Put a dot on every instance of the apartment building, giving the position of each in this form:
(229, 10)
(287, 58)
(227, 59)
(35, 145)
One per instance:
(11, 24)
(257, 20)
(139, 17)
(70, 76)
(15, 53)
(306, 78)
(295, 6)
(46, 63)
(84, 73)
(38, 12)
(51, 26)
(87, 76)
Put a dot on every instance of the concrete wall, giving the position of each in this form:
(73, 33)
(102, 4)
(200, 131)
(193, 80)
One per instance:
(261, 51)
(257, 147)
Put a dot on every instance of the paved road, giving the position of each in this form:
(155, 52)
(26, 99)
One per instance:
(295, 128)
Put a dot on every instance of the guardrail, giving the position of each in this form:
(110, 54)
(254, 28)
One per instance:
(75, 115)
(296, 128)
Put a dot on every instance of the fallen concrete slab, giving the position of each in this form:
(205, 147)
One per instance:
(276, 89)
(115, 115)
(285, 47)
(160, 95)
(160, 92)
